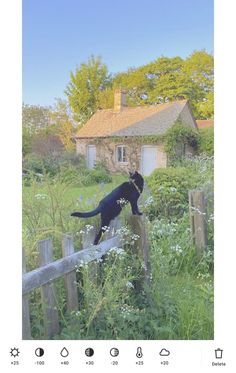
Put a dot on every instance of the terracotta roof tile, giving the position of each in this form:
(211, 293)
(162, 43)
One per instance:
(108, 122)
(203, 123)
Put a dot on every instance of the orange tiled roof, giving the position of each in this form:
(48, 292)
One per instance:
(106, 122)
(203, 123)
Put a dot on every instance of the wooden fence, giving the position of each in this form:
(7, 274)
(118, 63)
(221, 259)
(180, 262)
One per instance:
(49, 270)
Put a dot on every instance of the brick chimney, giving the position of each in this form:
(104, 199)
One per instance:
(119, 100)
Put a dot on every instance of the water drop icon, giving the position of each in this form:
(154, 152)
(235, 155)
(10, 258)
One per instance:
(64, 352)
(139, 353)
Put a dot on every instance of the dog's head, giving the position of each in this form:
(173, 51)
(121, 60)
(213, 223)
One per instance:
(137, 179)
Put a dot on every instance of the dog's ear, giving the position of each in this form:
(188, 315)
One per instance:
(131, 173)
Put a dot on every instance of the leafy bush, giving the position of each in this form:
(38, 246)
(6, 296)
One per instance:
(41, 165)
(100, 173)
(169, 188)
(206, 145)
(69, 167)
(178, 136)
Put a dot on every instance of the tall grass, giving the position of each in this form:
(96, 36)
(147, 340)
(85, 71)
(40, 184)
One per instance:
(178, 303)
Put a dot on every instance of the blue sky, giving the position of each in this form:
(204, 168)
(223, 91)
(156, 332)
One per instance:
(58, 35)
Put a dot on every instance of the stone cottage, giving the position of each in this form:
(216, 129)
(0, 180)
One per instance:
(126, 137)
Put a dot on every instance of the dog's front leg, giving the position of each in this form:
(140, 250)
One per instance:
(134, 208)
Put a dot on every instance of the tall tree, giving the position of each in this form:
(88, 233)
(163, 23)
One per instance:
(83, 90)
(199, 68)
(35, 119)
(62, 123)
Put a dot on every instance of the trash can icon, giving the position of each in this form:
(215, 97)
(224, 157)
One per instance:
(218, 353)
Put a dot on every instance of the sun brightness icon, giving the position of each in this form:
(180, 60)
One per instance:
(14, 352)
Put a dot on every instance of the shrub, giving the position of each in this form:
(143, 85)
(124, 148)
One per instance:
(169, 188)
(100, 173)
(207, 141)
(178, 136)
(69, 167)
(35, 164)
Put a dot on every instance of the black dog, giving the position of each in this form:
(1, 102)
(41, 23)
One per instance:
(111, 206)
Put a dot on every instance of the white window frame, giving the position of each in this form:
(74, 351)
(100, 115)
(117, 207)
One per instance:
(122, 154)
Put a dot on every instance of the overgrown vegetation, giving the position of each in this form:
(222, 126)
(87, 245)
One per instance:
(66, 166)
(177, 137)
(206, 144)
(181, 289)
(169, 186)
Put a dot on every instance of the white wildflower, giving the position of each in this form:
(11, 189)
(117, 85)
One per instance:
(129, 285)
(122, 201)
(40, 196)
(149, 201)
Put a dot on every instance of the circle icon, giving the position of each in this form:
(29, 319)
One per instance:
(89, 352)
(114, 352)
(39, 352)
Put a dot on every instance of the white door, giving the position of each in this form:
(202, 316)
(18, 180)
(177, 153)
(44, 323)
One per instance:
(91, 156)
(148, 159)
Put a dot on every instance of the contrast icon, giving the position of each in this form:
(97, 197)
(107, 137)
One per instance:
(14, 352)
(89, 352)
(64, 352)
(218, 353)
(39, 352)
(164, 352)
(114, 352)
(139, 352)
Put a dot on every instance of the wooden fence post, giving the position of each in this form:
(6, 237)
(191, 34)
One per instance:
(138, 225)
(51, 319)
(114, 225)
(88, 236)
(70, 278)
(26, 328)
(198, 225)
(87, 241)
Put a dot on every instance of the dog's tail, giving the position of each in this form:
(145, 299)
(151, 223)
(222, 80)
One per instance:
(87, 214)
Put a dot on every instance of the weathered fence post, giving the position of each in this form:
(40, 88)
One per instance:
(198, 225)
(88, 236)
(51, 320)
(87, 240)
(26, 328)
(70, 278)
(138, 225)
(114, 225)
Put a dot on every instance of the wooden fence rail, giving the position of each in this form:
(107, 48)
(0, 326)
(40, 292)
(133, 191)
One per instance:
(48, 271)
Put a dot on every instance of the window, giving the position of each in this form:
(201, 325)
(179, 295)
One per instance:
(121, 155)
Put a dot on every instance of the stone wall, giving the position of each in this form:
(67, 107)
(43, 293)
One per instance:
(106, 151)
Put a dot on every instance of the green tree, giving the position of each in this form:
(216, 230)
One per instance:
(199, 68)
(35, 118)
(83, 90)
(62, 124)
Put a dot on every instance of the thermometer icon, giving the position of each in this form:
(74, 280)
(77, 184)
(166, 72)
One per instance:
(139, 353)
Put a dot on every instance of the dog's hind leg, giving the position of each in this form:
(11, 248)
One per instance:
(104, 225)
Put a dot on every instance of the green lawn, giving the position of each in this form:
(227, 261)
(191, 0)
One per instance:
(97, 189)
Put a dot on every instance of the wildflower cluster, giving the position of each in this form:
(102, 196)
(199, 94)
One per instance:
(122, 202)
(149, 202)
(41, 196)
(88, 228)
(126, 236)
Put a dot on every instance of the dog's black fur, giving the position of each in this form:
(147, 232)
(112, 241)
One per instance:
(111, 206)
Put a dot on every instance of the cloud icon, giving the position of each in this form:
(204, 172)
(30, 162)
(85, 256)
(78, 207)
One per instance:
(164, 352)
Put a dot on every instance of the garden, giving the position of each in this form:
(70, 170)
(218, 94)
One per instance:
(177, 304)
